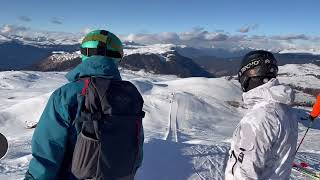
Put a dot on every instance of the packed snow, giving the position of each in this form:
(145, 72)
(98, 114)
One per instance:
(188, 125)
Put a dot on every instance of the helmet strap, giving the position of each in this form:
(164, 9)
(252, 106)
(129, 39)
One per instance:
(100, 52)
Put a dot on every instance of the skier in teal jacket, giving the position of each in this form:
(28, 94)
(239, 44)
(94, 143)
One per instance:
(55, 135)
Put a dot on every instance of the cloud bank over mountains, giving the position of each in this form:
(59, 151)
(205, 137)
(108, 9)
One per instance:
(197, 37)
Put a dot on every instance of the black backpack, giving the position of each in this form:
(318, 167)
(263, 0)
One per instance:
(109, 127)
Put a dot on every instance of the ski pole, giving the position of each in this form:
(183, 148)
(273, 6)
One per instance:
(310, 125)
(313, 115)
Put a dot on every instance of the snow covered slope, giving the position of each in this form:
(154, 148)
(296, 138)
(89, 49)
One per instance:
(304, 78)
(304, 75)
(188, 124)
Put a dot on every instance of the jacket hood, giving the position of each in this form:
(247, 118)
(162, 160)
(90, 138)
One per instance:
(270, 92)
(95, 66)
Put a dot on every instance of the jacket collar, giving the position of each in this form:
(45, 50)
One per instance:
(270, 92)
(95, 66)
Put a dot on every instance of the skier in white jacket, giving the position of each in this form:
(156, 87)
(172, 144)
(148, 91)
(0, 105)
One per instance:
(264, 142)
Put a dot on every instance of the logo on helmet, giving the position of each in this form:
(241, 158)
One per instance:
(267, 61)
(249, 66)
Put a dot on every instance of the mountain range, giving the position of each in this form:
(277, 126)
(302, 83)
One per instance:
(47, 54)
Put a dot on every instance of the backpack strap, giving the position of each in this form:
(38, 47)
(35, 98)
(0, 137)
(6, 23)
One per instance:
(77, 122)
(86, 84)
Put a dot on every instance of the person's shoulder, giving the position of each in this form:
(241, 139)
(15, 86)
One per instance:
(262, 115)
(69, 91)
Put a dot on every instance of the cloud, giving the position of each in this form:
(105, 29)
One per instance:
(7, 28)
(24, 18)
(248, 28)
(196, 37)
(199, 33)
(199, 37)
(56, 21)
(164, 37)
(291, 37)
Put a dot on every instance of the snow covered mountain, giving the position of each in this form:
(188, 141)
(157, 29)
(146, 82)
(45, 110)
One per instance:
(21, 47)
(312, 51)
(38, 38)
(161, 59)
(171, 59)
(158, 59)
(188, 124)
(58, 61)
(20, 51)
(16, 55)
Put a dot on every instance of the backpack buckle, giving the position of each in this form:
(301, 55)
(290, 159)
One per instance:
(96, 116)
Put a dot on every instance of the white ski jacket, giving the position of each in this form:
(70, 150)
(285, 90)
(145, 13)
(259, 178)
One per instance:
(264, 142)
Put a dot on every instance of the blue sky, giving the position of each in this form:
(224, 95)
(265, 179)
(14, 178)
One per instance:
(268, 24)
(268, 17)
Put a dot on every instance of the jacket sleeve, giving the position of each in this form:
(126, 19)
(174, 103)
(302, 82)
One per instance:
(49, 140)
(251, 149)
(140, 155)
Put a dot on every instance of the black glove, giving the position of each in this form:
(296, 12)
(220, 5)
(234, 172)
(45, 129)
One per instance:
(312, 118)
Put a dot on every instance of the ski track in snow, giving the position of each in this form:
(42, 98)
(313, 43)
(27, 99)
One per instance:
(205, 164)
(173, 127)
(187, 128)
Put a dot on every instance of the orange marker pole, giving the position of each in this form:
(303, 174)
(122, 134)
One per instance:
(313, 115)
(316, 109)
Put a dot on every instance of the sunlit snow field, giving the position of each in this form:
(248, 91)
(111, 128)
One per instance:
(188, 124)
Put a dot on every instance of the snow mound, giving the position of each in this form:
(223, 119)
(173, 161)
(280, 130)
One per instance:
(13, 119)
(22, 80)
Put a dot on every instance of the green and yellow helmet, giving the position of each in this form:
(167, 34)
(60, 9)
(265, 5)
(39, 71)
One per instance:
(101, 43)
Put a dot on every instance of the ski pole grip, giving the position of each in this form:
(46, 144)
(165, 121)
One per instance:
(316, 109)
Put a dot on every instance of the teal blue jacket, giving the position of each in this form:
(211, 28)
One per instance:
(55, 135)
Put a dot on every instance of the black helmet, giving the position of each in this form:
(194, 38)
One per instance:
(258, 67)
